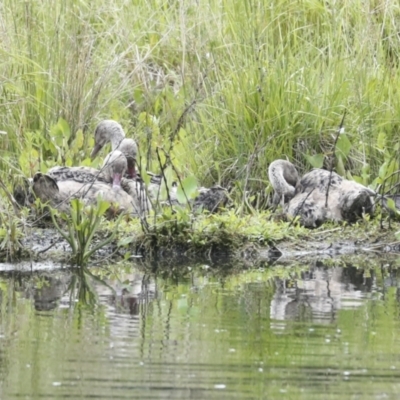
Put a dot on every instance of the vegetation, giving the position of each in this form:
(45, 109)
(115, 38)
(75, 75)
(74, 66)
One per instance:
(215, 90)
(82, 223)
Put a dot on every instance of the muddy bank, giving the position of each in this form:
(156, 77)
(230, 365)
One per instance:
(45, 249)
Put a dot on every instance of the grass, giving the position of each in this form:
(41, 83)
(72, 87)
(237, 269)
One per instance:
(223, 87)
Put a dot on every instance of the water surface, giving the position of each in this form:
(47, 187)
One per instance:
(300, 332)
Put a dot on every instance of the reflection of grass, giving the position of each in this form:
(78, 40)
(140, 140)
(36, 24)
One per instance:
(81, 288)
(83, 222)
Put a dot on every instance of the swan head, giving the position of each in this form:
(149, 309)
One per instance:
(107, 131)
(44, 187)
(129, 148)
(114, 166)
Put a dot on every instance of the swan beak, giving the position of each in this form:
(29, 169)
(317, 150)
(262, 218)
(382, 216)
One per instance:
(117, 181)
(95, 151)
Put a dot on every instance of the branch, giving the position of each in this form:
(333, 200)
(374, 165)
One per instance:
(334, 156)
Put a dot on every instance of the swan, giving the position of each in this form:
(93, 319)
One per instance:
(310, 199)
(111, 131)
(63, 183)
(57, 194)
(211, 199)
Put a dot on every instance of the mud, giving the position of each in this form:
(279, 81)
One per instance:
(47, 250)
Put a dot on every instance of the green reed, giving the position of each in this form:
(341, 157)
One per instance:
(233, 85)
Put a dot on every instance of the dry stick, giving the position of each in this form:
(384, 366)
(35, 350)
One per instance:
(186, 110)
(180, 121)
(394, 186)
(381, 219)
(49, 247)
(143, 190)
(382, 195)
(182, 117)
(10, 197)
(164, 165)
(299, 208)
(174, 133)
(334, 156)
(164, 177)
(248, 169)
(180, 183)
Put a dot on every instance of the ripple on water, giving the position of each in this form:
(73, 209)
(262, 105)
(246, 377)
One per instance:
(324, 330)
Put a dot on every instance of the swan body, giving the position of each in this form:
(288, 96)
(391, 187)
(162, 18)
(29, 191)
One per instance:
(112, 171)
(310, 199)
(58, 194)
(111, 131)
(63, 183)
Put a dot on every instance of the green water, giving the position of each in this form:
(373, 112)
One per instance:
(308, 332)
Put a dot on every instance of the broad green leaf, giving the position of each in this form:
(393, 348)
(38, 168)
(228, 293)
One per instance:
(365, 174)
(381, 141)
(125, 241)
(145, 176)
(391, 204)
(138, 95)
(189, 187)
(77, 144)
(343, 146)
(316, 161)
(24, 163)
(87, 162)
(102, 206)
(383, 170)
(63, 126)
(340, 166)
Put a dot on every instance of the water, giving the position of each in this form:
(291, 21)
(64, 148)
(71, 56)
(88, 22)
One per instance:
(305, 332)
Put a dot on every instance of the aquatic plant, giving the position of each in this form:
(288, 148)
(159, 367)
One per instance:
(11, 233)
(82, 224)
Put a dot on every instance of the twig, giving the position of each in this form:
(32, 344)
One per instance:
(180, 183)
(383, 195)
(334, 156)
(327, 231)
(49, 247)
(164, 177)
(299, 208)
(10, 198)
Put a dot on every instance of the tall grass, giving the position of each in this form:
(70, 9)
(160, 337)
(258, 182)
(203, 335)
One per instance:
(263, 79)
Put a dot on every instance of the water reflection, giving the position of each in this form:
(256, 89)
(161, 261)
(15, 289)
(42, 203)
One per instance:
(318, 293)
(262, 333)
